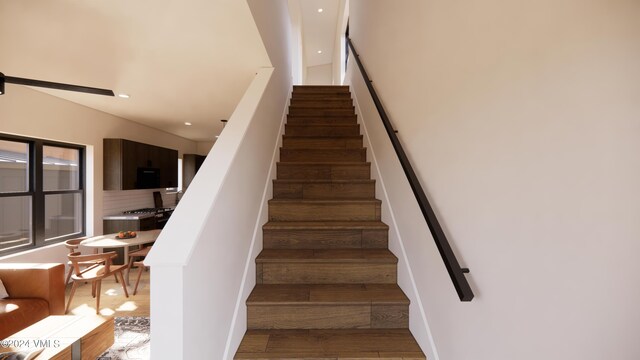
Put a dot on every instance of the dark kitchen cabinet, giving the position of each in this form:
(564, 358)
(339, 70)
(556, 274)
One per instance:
(132, 165)
(168, 160)
(190, 165)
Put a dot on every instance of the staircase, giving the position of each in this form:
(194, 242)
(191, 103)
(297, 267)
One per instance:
(326, 281)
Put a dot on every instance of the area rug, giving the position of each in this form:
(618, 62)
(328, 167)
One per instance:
(131, 340)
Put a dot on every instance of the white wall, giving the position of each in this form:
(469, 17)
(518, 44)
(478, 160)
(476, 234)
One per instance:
(204, 260)
(298, 65)
(319, 75)
(339, 55)
(523, 122)
(30, 113)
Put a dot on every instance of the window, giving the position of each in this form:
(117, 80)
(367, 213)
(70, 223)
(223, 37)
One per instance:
(41, 193)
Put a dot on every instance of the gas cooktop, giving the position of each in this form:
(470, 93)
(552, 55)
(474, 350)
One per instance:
(148, 211)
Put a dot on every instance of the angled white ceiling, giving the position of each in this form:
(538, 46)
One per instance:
(179, 62)
(319, 30)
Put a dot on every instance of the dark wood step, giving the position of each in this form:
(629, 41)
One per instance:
(332, 344)
(323, 155)
(321, 96)
(317, 103)
(321, 142)
(323, 171)
(341, 306)
(324, 189)
(301, 111)
(325, 276)
(305, 89)
(325, 235)
(321, 130)
(324, 210)
(333, 120)
(326, 266)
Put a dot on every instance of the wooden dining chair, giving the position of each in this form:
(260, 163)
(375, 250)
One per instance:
(73, 245)
(94, 273)
(140, 253)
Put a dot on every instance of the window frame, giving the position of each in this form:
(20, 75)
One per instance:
(35, 190)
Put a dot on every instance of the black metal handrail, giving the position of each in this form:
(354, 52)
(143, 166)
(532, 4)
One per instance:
(450, 261)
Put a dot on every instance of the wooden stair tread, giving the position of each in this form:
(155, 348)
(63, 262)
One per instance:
(353, 117)
(351, 114)
(326, 201)
(323, 125)
(321, 97)
(323, 170)
(310, 121)
(334, 148)
(325, 225)
(344, 87)
(316, 137)
(332, 344)
(326, 256)
(320, 90)
(329, 294)
(341, 163)
(324, 189)
(320, 136)
(339, 136)
(333, 154)
(325, 181)
(306, 111)
(327, 106)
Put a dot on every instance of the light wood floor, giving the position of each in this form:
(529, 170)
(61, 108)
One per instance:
(112, 301)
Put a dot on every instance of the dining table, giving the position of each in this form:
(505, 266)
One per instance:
(101, 242)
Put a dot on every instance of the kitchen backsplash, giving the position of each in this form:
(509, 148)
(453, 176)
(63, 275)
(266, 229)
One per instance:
(115, 202)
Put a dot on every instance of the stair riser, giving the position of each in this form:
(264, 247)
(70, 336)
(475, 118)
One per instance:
(325, 239)
(323, 190)
(323, 155)
(297, 111)
(322, 97)
(300, 211)
(301, 130)
(320, 90)
(328, 121)
(294, 171)
(328, 316)
(321, 143)
(325, 104)
(326, 273)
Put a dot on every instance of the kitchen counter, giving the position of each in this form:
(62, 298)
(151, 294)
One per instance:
(141, 215)
(136, 220)
(129, 216)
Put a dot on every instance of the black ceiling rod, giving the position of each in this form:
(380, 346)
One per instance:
(51, 85)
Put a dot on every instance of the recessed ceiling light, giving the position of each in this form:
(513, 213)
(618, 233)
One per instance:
(217, 136)
(319, 51)
(320, 10)
(124, 96)
(188, 123)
